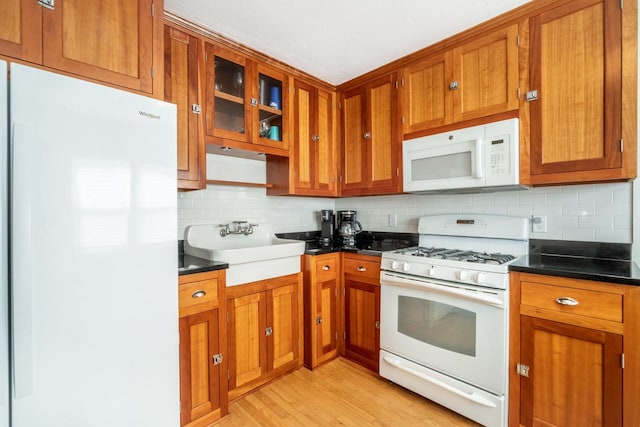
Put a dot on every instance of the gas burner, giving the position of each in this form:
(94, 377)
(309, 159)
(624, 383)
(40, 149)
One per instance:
(457, 255)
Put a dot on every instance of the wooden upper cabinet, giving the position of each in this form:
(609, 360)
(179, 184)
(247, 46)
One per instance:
(116, 40)
(486, 71)
(353, 148)
(21, 30)
(476, 79)
(225, 94)
(314, 150)
(576, 69)
(183, 68)
(246, 103)
(428, 102)
(107, 40)
(370, 139)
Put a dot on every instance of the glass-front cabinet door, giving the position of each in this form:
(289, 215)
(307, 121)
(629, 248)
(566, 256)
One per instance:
(226, 106)
(272, 100)
(246, 102)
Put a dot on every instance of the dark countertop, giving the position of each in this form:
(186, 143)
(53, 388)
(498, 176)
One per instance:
(367, 242)
(188, 264)
(606, 262)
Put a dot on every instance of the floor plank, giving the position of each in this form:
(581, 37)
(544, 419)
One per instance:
(339, 393)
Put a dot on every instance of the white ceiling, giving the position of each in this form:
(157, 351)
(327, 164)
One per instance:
(337, 40)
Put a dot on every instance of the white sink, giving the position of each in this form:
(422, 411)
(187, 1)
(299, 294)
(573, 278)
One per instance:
(257, 256)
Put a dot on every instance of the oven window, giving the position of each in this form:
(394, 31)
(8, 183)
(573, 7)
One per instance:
(457, 165)
(438, 324)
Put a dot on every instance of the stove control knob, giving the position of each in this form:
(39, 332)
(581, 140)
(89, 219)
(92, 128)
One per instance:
(431, 271)
(462, 275)
(481, 278)
(406, 267)
(394, 265)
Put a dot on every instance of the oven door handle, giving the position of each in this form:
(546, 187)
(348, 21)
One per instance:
(438, 287)
(469, 396)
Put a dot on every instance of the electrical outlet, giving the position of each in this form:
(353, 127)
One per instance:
(393, 220)
(539, 224)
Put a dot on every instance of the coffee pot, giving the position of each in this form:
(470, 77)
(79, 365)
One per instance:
(348, 227)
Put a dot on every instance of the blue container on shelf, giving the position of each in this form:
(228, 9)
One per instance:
(275, 97)
(274, 133)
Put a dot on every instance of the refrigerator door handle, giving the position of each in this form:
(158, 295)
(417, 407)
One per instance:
(21, 268)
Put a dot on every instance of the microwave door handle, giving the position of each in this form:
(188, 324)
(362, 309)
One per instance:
(479, 159)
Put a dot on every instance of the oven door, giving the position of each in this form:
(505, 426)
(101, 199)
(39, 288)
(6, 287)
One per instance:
(459, 331)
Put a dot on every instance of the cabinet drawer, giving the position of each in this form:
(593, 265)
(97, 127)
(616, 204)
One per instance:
(326, 269)
(595, 304)
(369, 269)
(198, 296)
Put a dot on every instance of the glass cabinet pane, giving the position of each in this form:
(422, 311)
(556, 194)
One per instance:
(270, 107)
(229, 89)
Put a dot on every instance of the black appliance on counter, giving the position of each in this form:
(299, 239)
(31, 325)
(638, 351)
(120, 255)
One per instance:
(326, 228)
(346, 228)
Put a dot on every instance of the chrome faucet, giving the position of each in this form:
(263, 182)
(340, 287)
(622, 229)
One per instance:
(237, 227)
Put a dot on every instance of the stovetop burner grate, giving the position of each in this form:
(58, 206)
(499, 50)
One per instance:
(457, 255)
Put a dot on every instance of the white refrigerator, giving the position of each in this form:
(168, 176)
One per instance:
(89, 309)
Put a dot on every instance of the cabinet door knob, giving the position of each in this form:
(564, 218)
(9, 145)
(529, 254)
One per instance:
(254, 102)
(361, 268)
(315, 138)
(453, 85)
(566, 301)
(319, 320)
(367, 135)
(198, 294)
(326, 268)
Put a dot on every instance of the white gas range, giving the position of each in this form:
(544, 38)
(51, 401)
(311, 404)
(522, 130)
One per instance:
(444, 312)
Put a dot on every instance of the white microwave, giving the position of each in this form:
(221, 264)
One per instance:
(478, 158)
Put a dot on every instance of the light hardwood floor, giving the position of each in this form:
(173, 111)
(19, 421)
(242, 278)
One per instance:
(339, 393)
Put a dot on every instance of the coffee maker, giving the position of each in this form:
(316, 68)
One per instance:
(326, 227)
(347, 227)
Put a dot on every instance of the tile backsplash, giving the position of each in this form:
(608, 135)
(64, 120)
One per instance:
(595, 212)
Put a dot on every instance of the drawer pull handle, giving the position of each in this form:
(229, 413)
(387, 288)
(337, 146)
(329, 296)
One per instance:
(361, 268)
(326, 268)
(566, 301)
(198, 294)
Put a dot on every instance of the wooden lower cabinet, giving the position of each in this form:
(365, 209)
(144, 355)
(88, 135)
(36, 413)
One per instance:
(203, 392)
(322, 280)
(567, 360)
(575, 375)
(362, 309)
(264, 331)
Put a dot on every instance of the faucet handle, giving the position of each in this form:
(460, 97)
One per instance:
(239, 222)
